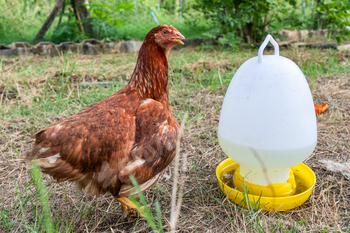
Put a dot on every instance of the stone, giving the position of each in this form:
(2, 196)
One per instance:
(4, 47)
(20, 51)
(303, 34)
(47, 48)
(290, 35)
(343, 47)
(131, 46)
(110, 45)
(321, 34)
(88, 48)
(19, 45)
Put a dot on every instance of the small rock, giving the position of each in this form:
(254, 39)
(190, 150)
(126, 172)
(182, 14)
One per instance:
(321, 34)
(15, 52)
(88, 48)
(303, 34)
(65, 47)
(343, 47)
(19, 45)
(110, 45)
(4, 47)
(290, 35)
(130, 46)
(45, 48)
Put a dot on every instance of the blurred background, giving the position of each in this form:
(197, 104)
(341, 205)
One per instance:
(228, 21)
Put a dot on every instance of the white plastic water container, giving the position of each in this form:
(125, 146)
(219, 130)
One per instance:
(268, 122)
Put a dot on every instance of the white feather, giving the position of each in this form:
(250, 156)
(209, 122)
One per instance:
(134, 164)
(53, 159)
(43, 150)
(146, 101)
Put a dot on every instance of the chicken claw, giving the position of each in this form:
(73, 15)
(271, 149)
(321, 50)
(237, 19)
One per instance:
(129, 208)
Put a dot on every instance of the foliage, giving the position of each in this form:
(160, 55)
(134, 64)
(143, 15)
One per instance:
(22, 19)
(67, 31)
(231, 21)
(104, 21)
(113, 20)
(296, 18)
(335, 16)
(252, 20)
(247, 19)
(230, 39)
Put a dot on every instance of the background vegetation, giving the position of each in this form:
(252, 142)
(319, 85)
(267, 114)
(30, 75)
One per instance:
(230, 20)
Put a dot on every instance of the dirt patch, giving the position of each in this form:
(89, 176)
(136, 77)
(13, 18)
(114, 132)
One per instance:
(341, 57)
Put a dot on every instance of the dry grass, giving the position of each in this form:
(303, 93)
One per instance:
(44, 95)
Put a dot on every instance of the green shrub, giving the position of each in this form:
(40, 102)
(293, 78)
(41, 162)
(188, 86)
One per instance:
(333, 15)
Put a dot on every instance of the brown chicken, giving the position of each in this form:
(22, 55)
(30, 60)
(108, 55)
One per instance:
(132, 132)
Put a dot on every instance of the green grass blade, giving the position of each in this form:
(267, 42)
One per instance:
(42, 192)
(159, 217)
(146, 211)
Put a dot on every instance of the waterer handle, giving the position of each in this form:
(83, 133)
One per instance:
(262, 47)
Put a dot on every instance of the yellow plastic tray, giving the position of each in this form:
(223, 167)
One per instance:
(304, 176)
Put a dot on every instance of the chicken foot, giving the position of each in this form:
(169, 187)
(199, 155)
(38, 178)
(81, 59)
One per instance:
(129, 208)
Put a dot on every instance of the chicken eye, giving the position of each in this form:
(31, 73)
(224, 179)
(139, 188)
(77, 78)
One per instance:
(165, 32)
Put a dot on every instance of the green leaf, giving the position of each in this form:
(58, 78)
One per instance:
(339, 39)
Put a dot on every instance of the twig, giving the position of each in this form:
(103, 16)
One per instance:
(175, 209)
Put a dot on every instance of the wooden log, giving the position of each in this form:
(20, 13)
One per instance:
(49, 20)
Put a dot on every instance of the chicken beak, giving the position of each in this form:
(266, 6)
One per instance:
(178, 39)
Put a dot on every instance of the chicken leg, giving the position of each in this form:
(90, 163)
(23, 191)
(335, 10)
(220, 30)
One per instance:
(129, 208)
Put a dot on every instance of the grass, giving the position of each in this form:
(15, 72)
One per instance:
(198, 81)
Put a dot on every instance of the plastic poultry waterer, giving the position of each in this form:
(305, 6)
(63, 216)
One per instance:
(267, 128)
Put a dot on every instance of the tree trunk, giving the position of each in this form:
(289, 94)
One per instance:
(81, 7)
(77, 14)
(247, 32)
(49, 20)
